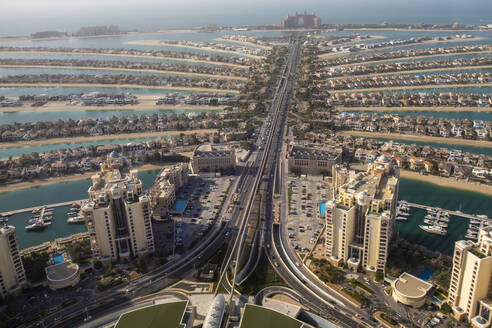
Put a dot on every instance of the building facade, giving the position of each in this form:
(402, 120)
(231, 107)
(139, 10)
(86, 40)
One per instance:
(310, 160)
(118, 214)
(304, 20)
(470, 290)
(209, 158)
(360, 220)
(12, 274)
(163, 191)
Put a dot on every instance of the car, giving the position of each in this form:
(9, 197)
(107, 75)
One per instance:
(89, 317)
(297, 264)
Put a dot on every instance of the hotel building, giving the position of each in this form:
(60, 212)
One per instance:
(12, 275)
(470, 290)
(213, 158)
(359, 222)
(118, 214)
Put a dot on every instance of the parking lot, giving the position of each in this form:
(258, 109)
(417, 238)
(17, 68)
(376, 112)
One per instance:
(304, 222)
(204, 197)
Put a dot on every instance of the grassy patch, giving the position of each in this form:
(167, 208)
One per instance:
(390, 320)
(263, 276)
(326, 271)
(357, 283)
(154, 316)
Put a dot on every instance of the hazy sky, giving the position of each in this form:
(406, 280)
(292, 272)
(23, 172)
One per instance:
(26, 16)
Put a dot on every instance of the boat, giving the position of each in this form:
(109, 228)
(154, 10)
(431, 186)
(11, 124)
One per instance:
(442, 224)
(429, 221)
(473, 221)
(401, 218)
(483, 216)
(48, 213)
(403, 214)
(75, 205)
(471, 236)
(4, 219)
(434, 229)
(36, 210)
(74, 209)
(76, 220)
(70, 214)
(38, 226)
(47, 218)
(472, 230)
(430, 216)
(444, 218)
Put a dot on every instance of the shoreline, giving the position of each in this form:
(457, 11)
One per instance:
(82, 139)
(418, 138)
(68, 53)
(244, 43)
(414, 57)
(408, 29)
(118, 86)
(464, 68)
(415, 109)
(161, 43)
(414, 87)
(74, 177)
(155, 71)
(447, 182)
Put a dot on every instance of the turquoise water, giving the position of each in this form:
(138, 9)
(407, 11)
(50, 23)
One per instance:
(58, 258)
(322, 208)
(447, 198)
(180, 205)
(7, 152)
(37, 116)
(50, 194)
(477, 89)
(471, 149)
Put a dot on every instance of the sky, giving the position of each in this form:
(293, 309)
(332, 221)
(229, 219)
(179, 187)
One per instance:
(27, 16)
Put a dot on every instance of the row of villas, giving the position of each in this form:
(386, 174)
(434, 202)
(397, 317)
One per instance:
(132, 52)
(126, 79)
(406, 53)
(427, 99)
(389, 44)
(103, 126)
(132, 65)
(389, 123)
(440, 161)
(340, 71)
(405, 80)
(85, 159)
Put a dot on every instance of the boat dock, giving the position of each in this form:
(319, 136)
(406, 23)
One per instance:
(454, 213)
(30, 209)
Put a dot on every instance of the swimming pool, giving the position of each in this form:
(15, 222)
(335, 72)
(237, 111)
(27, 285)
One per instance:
(426, 274)
(180, 205)
(322, 208)
(58, 258)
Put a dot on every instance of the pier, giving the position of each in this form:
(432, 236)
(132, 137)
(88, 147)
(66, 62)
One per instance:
(483, 219)
(30, 209)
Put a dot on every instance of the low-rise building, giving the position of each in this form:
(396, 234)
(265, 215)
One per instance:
(213, 158)
(311, 160)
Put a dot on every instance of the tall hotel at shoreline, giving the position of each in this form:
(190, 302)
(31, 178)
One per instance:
(470, 290)
(12, 274)
(118, 215)
(360, 220)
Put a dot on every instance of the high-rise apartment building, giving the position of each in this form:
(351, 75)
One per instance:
(118, 215)
(470, 290)
(360, 220)
(12, 275)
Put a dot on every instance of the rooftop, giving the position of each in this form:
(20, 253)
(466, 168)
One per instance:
(411, 286)
(61, 271)
(299, 152)
(167, 315)
(255, 316)
(213, 150)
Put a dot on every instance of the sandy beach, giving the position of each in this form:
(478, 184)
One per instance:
(370, 62)
(416, 109)
(407, 29)
(413, 87)
(160, 43)
(244, 43)
(153, 71)
(396, 136)
(126, 86)
(87, 175)
(448, 182)
(464, 68)
(53, 141)
(187, 60)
